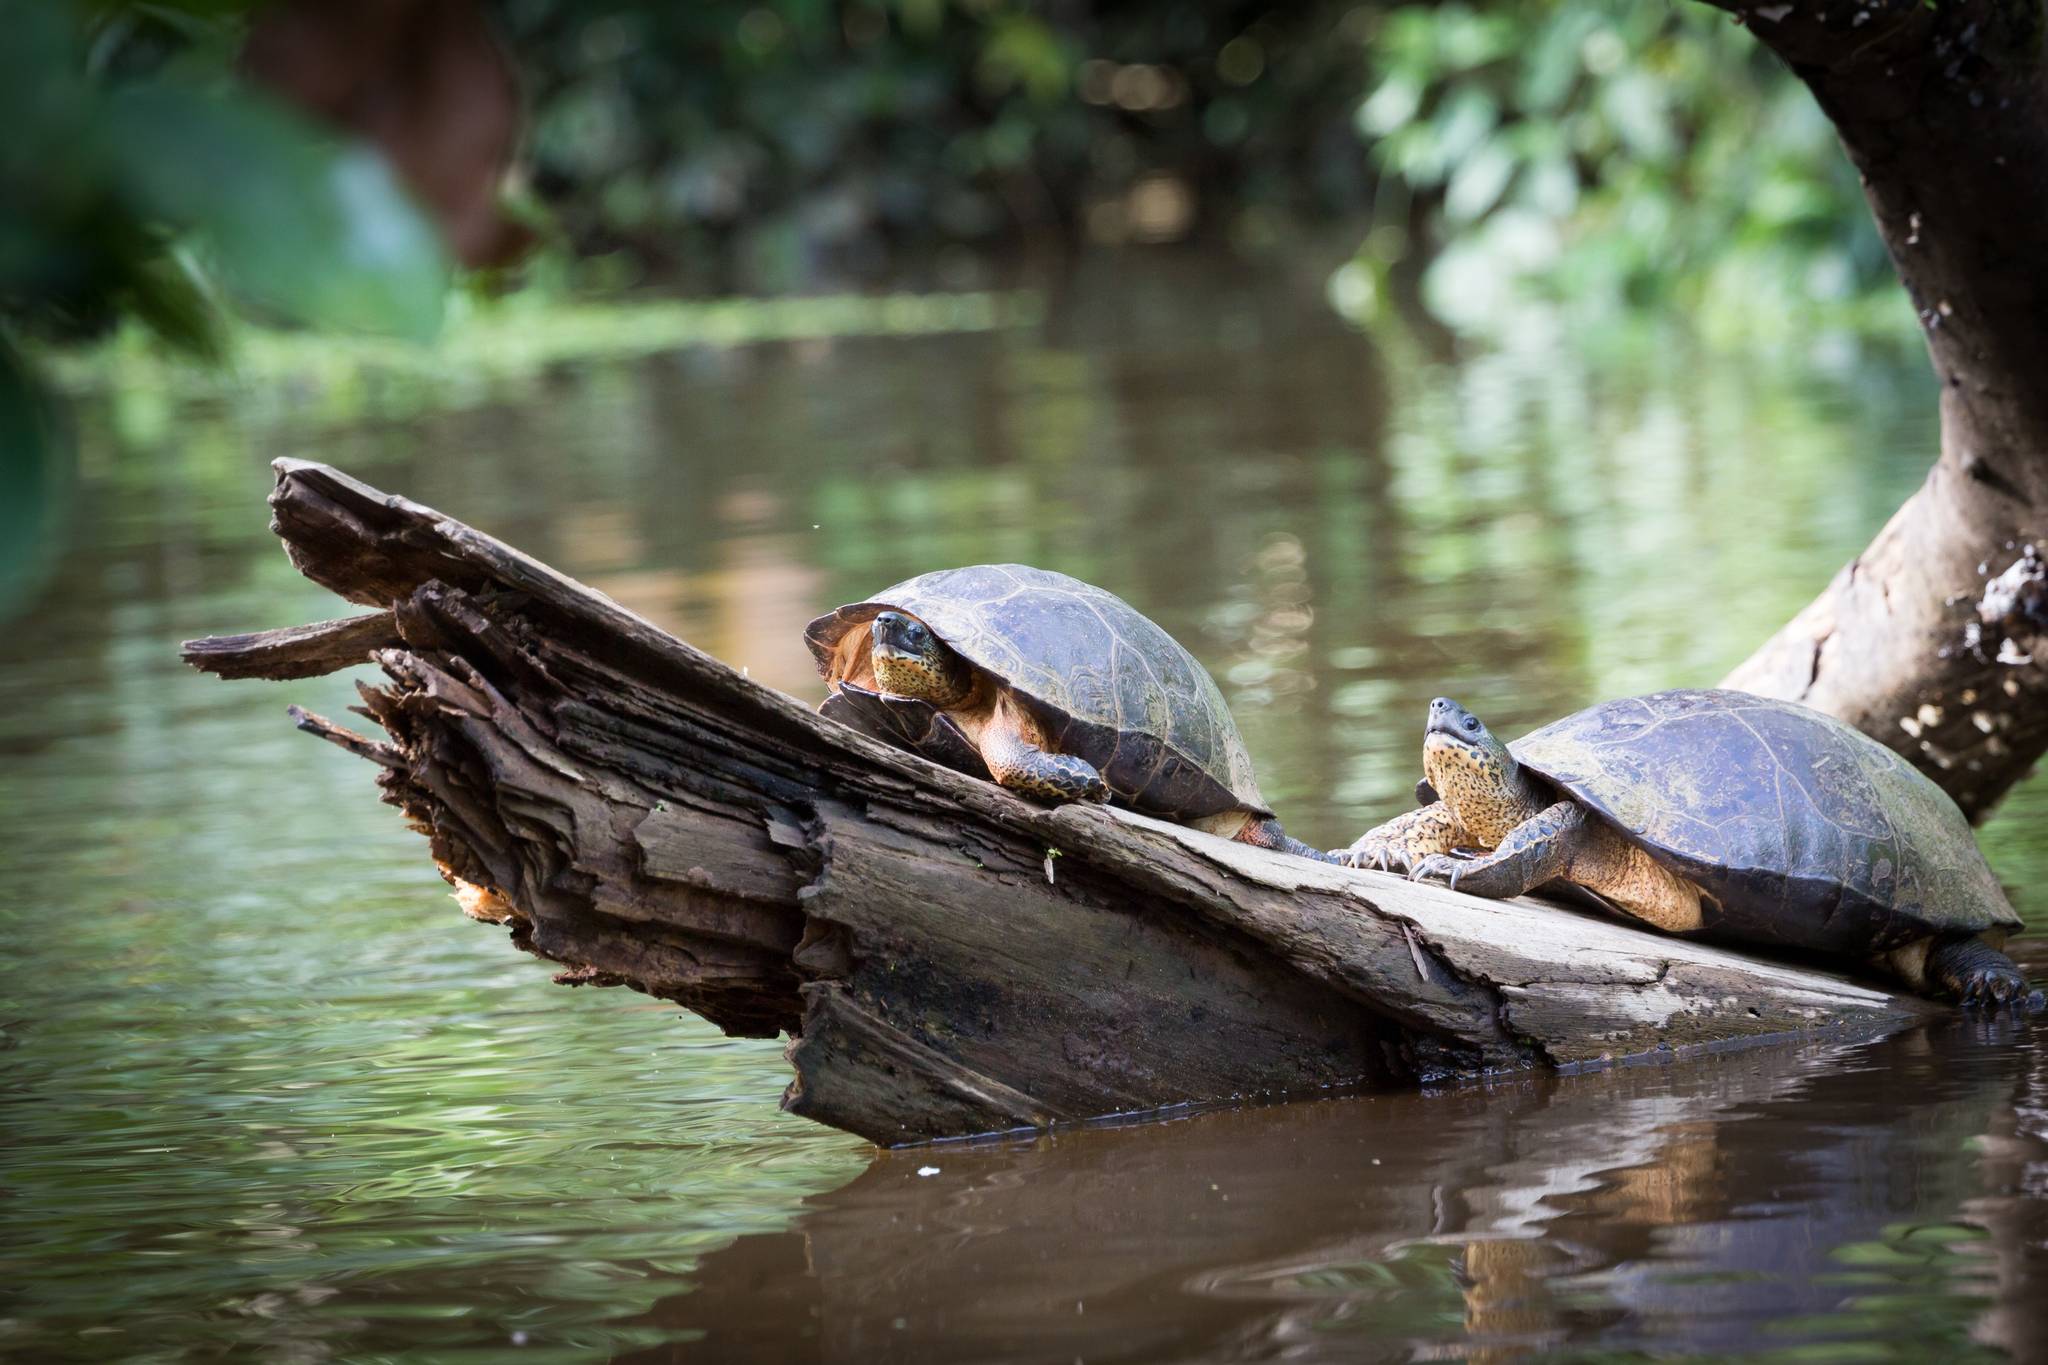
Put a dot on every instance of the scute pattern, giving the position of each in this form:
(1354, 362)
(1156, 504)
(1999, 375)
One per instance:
(1109, 685)
(1803, 829)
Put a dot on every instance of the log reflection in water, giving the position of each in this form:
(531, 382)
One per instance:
(1720, 1205)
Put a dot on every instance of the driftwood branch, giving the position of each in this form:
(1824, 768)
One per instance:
(298, 652)
(946, 958)
(1935, 638)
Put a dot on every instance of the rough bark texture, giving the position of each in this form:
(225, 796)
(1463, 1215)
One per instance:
(1932, 638)
(947, 958)
(300, 652)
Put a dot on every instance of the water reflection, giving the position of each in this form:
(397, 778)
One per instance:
(1757, 1203)
(264, 1092)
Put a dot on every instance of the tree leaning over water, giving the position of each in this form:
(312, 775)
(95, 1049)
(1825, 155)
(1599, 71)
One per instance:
(1929, 639)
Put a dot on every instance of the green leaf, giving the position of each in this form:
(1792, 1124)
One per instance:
(1552, 186)
(1478, 183)
(1464, 121)
(170, 298)
(318, 231)
(1875, 1254)
(1549, 72)
(1391, 106)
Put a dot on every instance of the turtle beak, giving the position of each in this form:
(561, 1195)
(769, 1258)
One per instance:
(1446, 717)
(1450, 723)
(895, 633)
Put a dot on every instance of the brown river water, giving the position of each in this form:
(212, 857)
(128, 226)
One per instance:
(264, 1094)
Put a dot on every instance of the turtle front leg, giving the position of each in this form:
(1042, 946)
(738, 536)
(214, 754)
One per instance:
(1404, 841)
(1010, 745)
(1538, 850)
(1563, 842)
(1976, 973)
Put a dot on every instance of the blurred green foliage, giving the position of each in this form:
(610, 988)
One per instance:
(1606, 155)
(1610, 157)
(138, 180)
(776, 143)
(488, 347)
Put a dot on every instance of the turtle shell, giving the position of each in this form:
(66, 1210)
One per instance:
(1107, 683)
(1805, 831)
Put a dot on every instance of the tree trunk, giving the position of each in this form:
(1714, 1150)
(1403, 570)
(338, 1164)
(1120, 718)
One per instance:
(1932, 638)
(947, 958)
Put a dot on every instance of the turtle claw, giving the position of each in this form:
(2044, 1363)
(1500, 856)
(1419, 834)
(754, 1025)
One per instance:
(1375, 856)
(1439, 867)
(1978, 976)
(1999, 988)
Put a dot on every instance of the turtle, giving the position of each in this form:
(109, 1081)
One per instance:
(1049, 686)
(1720, 814)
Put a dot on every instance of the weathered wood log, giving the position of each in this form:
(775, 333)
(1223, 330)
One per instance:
(946, 958)
(1935, 638)
(310, 651)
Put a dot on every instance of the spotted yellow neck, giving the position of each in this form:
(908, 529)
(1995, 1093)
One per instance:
(1486, 790)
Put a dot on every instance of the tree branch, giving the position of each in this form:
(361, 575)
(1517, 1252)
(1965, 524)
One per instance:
(1943, 108)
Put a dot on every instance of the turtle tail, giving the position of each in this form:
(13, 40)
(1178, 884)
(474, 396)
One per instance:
(1268, 834)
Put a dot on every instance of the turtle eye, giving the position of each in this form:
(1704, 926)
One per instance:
(1472, 724)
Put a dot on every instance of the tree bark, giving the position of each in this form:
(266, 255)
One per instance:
(1932, 638)
(947, 958)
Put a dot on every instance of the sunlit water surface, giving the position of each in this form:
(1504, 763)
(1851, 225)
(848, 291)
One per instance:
(266, 1094)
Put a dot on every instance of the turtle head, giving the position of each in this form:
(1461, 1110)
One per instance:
(1469, 768)
(911, 661)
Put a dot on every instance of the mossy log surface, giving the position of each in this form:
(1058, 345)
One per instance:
(946, 958)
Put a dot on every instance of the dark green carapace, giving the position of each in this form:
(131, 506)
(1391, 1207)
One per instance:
(1797, 828)
(1107, 683)
(1068, 681)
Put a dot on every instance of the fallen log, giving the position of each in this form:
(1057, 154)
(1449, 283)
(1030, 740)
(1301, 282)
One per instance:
(946, 958)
